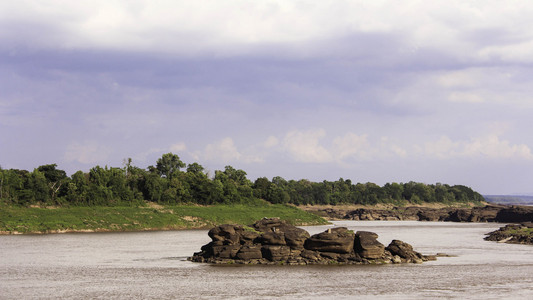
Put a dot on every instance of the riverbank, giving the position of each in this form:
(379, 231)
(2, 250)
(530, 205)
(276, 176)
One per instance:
(486, 213)
(37, 220)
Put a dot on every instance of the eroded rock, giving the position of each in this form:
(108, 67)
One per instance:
(336, 240)
(367, 245)
(271, 241)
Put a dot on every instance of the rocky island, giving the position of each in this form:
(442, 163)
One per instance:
(513, 234)
(272, 241)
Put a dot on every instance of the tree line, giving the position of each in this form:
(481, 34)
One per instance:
(171, 181)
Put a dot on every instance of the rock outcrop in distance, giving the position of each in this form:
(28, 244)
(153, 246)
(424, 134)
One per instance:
(272, 241)
(489, 213)
(513, 234)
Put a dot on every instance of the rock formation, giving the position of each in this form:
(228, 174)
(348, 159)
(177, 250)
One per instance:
(272, 241)
(488, 213)
(513, 234)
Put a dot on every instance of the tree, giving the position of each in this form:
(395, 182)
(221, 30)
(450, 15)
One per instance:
(56, 179)
(168, 164)
(195, 168)
(260, 187)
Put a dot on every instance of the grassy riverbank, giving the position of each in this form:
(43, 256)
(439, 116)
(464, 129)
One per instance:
(151, 217)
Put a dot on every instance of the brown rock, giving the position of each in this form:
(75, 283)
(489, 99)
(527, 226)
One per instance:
(248, 236)
(295, 237)
(273, 238)
(226, 251)
(275, 253)
(404, 250)
(338, 240)
(249, 252)
(311, 255)
(367, 245)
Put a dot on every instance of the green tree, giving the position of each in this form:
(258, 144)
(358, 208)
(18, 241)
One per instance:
(168, 164)
(260, 187)
(57, 180)
(195, 168)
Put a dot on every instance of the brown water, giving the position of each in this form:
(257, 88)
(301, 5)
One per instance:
(152, 265)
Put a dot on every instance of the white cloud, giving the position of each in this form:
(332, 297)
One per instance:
(397, 150)
(178, 147)
(490, 146)
(465, 97)
(89, 152)
(222, 27)
(271, 141)
(442, 148)
(459, 79)
(304, 146)
(351, 145)
(517, 52)
(223, 150)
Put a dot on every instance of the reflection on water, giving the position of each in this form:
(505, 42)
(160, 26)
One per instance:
(154, 265)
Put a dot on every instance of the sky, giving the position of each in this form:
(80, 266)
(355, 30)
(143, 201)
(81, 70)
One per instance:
(372, 91)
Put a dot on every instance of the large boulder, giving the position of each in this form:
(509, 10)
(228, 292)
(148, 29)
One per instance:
(270, 225)
(337, 240)
(276, 253)
(295, 237)
(229, 234)
(367, 245)
(226, 251)
(273, 238)
(404, 250)
(277, 232)
(249, 252)
(248, 237)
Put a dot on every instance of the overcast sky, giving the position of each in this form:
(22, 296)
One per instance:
(373, 91)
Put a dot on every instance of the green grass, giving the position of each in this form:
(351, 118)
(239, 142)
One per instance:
(245, 214)
(521, 232)
(42, 220)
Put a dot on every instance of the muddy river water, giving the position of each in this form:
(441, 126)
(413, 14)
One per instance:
(153, 265)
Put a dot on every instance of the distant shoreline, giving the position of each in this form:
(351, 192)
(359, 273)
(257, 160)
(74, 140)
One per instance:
(498, 213)
(525, 200)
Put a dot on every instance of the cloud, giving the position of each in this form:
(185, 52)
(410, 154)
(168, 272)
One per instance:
(225, 151)
(430, 75)
(271, 141)
(465, 97)
(443, 148)
(178, 147)
(244, 27)
(89, 152)
(490, 146)
(304, 146)
(351, 145)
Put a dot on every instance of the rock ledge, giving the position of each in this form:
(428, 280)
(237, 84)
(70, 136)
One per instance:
(513, 234)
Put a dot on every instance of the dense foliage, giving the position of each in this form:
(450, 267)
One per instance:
(167, 183)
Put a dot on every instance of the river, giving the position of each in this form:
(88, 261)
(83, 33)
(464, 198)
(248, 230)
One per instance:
(153, 265)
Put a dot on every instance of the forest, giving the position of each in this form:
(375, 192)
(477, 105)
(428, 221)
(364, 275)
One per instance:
(171, 181)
